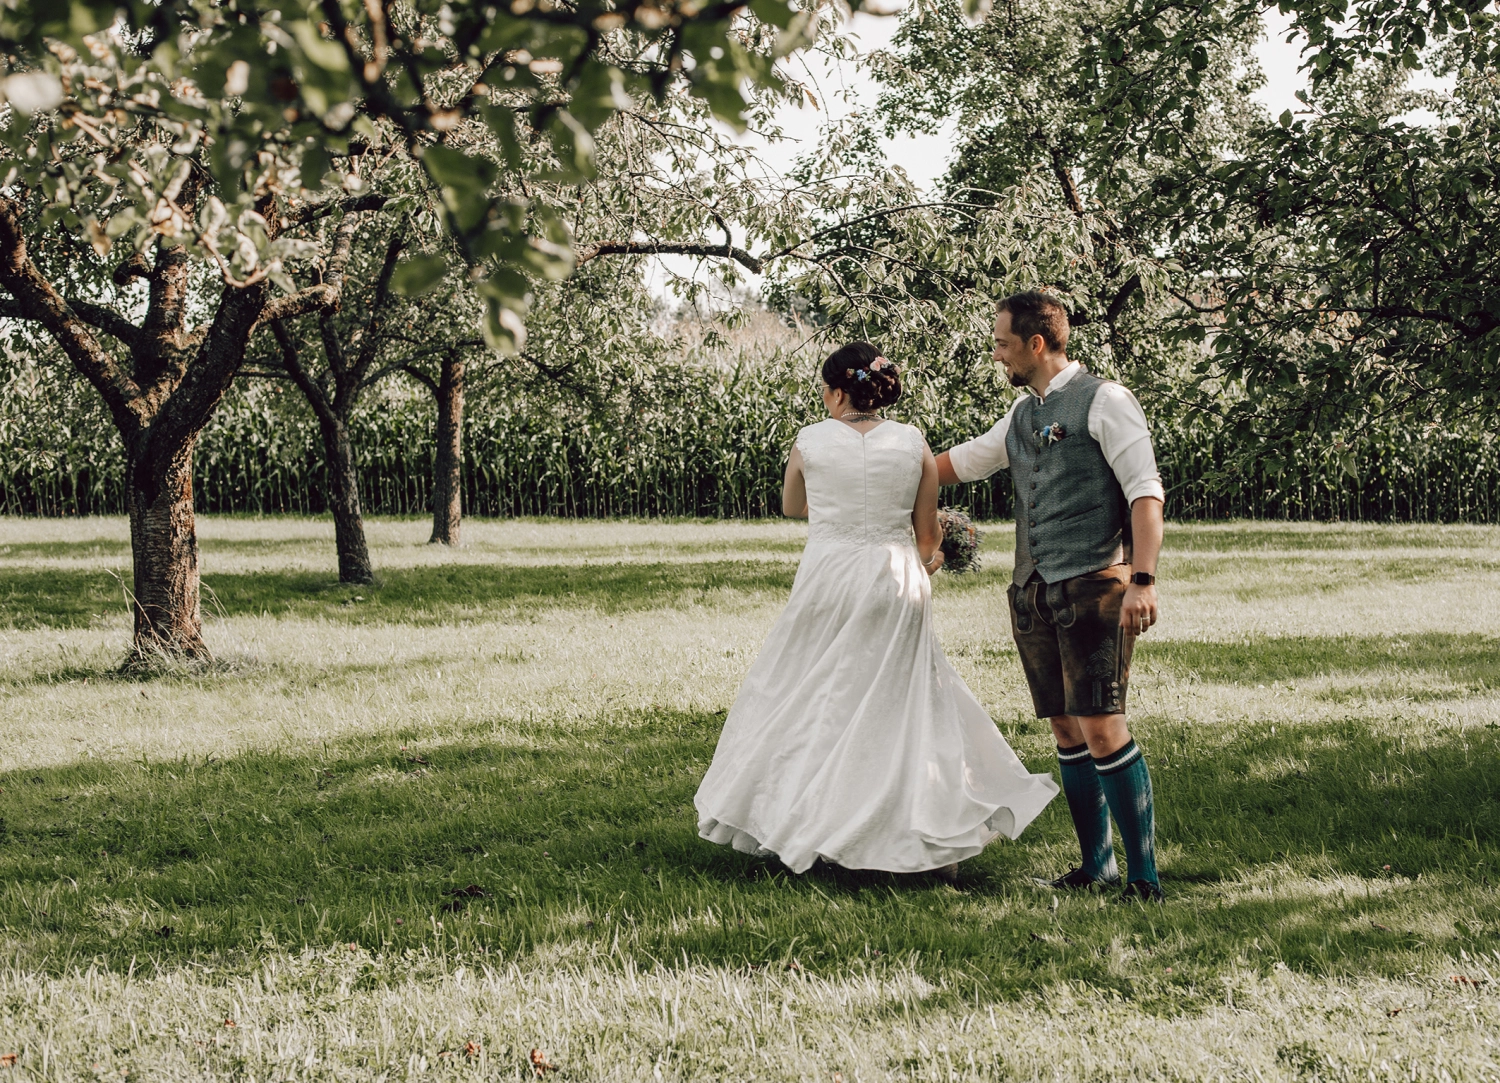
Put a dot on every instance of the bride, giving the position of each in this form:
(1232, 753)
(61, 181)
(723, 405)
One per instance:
(852, 739)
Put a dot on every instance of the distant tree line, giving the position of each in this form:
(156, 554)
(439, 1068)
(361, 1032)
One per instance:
(705, 435)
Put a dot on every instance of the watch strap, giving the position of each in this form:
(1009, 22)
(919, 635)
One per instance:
(1142, 579)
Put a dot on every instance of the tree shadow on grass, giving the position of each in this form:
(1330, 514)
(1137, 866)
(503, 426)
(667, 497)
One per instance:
(510, 840)
(87, 549)
(48, 598)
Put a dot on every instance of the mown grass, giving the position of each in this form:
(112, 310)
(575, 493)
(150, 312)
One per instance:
(485, 767)
(588, 837)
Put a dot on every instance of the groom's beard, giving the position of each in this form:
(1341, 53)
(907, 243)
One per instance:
(1017, 380)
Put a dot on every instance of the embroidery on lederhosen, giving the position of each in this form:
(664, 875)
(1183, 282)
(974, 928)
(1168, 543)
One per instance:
(1018, 608)
(1103, 671)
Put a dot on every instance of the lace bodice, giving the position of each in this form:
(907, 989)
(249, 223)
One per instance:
(860, 488)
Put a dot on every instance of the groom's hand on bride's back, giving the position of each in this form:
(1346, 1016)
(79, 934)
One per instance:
(946, 475)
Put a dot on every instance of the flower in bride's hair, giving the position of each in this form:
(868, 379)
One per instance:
(848, 372)
(878, 364)
(862, 374)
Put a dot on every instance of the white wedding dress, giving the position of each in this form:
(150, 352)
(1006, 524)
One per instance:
(852, 738)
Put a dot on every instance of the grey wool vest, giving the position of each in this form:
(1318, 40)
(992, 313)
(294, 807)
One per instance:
(1071, 515)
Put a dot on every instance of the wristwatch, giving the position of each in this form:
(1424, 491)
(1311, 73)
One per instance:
(1142, 579)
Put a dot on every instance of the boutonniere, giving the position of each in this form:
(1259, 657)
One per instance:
(1050, 435)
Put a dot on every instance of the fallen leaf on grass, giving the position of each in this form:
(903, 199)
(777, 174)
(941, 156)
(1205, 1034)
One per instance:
(540, 1064)
(471, 1049)
(9, 1059)
(1393, 1012)
(1459, 979)
(230, 1023)
(1382, 928)
(794, 965)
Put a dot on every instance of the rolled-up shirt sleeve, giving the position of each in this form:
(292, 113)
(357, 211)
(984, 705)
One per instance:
(1118, 423)
(984, 455)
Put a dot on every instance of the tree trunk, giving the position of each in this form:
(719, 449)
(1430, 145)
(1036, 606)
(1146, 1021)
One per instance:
(343, 501)
(164, 545)
(447, 465)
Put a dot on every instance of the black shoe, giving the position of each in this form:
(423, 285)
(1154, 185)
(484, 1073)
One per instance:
(1142, 891)
(1075, 879)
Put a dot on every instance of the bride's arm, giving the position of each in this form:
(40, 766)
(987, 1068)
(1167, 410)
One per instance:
(924, 517)
(794, 488)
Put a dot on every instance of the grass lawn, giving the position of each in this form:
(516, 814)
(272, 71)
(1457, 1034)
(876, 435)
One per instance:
(419, 829)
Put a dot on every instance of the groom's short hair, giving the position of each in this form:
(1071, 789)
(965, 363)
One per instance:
(1037, 313)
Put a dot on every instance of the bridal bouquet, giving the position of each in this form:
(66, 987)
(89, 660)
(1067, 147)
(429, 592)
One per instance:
(960, 543)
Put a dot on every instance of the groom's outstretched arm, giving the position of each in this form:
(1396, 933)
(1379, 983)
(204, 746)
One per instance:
(977, 458)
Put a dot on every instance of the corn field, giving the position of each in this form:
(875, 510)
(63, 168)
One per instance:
(693, 441)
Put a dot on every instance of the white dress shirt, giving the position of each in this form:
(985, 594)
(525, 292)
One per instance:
(1116, 422)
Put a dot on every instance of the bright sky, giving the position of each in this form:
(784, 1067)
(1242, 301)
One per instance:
(925, 158)
(842, 88)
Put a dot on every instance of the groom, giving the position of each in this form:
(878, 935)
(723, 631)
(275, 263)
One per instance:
(1088, 530)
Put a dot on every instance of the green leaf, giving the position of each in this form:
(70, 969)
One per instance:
(574, 146)
(418, 275)
(455, 169)
(502, 124)
(774, 12)
(328, 55)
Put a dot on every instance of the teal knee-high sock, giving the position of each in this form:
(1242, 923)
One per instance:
(1090, 811)
(1127, 787)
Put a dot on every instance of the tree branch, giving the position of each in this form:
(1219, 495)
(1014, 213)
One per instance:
(312, 299)
(133, 267)
(382, 297)
(1065, 182)
(327, 295)
(1121, 299)
(310, 212)
(110, 321)
(667, 248)
(35, 298)
(291, 359)
(879, 213)
(167, 281)
(421, 377)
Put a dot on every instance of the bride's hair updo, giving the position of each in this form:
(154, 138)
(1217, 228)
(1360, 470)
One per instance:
(871, 382)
